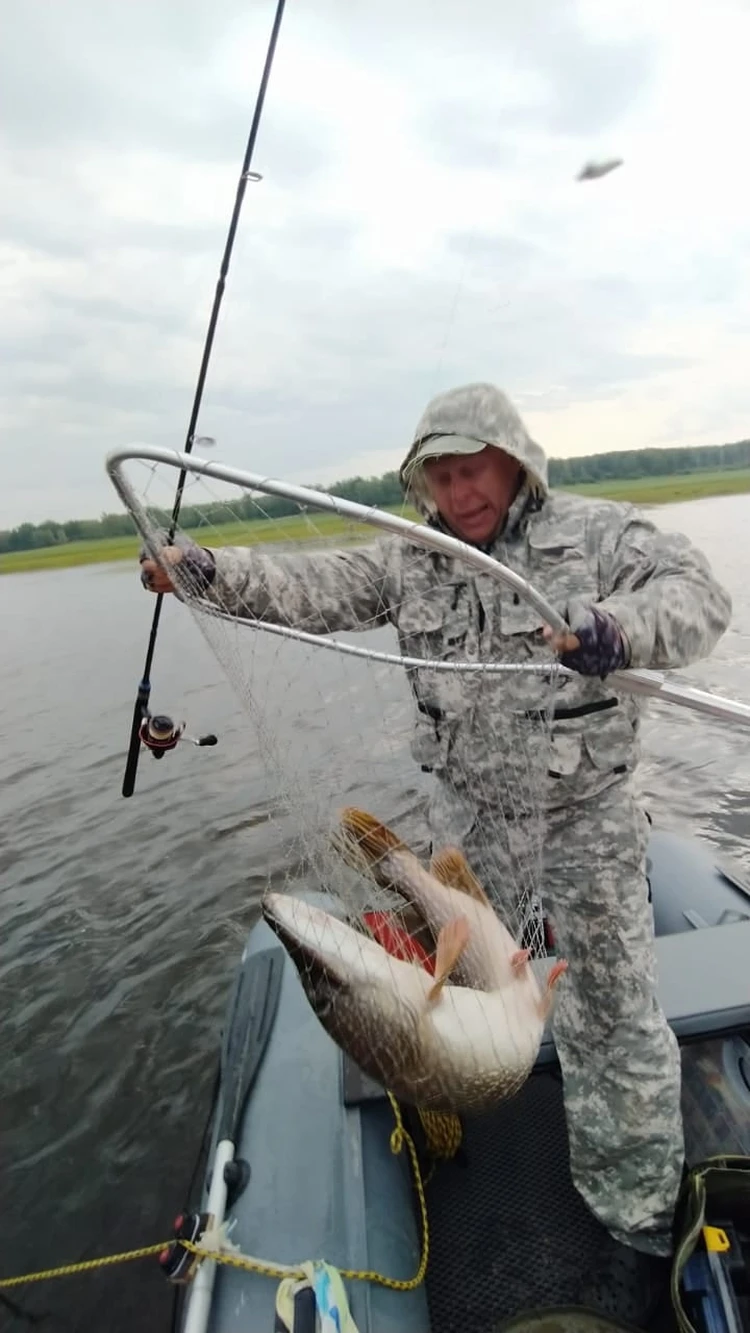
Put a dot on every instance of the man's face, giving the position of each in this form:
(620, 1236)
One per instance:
(473, 492)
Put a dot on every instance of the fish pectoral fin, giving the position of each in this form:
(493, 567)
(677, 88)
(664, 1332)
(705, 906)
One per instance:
(452, 941)
(557, 970)
(451, 868)
(519, 959)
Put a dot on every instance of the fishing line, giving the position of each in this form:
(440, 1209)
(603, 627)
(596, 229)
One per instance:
(469, 264)
(140, 711)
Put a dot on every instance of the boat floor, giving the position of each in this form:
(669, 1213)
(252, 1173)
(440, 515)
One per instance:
(508, 1230)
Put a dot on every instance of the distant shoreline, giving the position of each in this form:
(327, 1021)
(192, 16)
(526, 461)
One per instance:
(645, 491)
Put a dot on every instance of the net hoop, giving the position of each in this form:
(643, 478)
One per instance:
(640, 681)
(418, 534)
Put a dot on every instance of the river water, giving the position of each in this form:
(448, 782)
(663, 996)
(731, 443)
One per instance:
(122, 920)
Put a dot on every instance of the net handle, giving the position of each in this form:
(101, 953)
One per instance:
(640, 681)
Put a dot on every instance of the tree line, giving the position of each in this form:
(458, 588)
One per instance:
(627, 465)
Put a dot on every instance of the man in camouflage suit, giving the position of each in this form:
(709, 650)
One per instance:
(633, 596)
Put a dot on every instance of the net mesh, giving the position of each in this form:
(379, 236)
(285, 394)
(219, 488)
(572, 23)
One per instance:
(318, 623)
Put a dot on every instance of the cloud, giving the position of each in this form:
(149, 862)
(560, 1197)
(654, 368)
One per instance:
(419, 224)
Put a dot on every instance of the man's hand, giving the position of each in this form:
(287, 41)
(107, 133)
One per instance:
(197, 562)
(153, 576)
(561, 641)
(595, 644)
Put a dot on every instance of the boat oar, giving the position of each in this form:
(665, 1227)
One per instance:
(251, 1016)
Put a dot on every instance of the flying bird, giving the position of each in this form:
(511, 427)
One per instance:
(593, 170)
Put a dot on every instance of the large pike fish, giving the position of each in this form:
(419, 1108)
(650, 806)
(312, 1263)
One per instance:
(447, 890)
(435, 1045)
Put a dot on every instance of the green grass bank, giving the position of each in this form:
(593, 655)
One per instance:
(640, 491)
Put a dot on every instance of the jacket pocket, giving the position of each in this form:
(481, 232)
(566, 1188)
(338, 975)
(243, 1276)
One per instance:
(430, 743)
(562, 572)
(565, 756)
(605, 743)
(434, 629)
(520, 617)
(610, 743)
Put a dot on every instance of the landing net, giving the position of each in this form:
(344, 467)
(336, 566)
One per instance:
(360, 688)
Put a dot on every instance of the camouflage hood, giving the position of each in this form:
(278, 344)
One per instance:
(463, 421)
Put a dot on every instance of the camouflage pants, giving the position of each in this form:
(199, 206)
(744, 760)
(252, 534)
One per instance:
(619, 1058)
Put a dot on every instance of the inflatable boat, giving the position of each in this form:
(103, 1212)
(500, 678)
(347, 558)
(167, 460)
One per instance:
(492, 1216)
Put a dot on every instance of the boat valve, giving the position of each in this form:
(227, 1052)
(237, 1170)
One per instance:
(176, 1262)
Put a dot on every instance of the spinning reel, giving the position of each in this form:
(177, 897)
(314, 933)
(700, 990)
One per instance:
(159, 734)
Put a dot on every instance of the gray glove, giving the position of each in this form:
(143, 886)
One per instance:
(197, 563)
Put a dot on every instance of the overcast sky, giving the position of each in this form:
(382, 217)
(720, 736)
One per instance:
(419, 225)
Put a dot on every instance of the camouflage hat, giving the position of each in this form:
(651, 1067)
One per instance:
(465, 421)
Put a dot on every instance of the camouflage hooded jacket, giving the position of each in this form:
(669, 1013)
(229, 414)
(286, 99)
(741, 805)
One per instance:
(572, 549)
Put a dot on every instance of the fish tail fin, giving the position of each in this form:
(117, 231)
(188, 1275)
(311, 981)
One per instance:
(451, 868)
(352, 855)
(452, 941)
(364, 842)
(557, 970)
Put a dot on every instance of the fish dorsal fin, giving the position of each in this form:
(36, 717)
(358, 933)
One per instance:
(452, 941)
(374, 838)
(451, 868)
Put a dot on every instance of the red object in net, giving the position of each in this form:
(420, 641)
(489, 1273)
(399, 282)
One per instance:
(397, 941)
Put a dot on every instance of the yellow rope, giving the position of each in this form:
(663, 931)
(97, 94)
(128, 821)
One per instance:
(399, 1137)
(68, 1270)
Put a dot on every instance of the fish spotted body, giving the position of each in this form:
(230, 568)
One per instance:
(464, 1051)
(434, 1045)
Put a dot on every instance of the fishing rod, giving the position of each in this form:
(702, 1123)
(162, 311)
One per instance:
(635, 680)
(140, 731)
